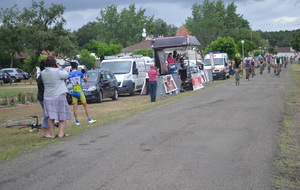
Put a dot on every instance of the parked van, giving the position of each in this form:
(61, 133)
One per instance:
(129, 71)
(221, 67)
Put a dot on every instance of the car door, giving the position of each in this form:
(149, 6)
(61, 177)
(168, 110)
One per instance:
(105, 84)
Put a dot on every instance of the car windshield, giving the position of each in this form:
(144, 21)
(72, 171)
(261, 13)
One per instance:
(190, 63)
(93, 76)
(218, 61)
(117, 67)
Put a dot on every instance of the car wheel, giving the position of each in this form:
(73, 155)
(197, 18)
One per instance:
(132, 93)
(100, 97)
(13, 80)
(116, 95)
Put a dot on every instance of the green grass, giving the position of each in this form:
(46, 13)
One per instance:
(287, 174)
(13, 141)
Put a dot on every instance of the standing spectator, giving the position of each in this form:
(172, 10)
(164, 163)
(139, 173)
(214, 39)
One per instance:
(183, 73)
(152, 73)
(56, 106)
(76, 78)
(40, 97)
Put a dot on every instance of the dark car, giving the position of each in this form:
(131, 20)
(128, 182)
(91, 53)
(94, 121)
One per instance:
(101, 84)
(15, 73)
(4, 77)
(25, 74)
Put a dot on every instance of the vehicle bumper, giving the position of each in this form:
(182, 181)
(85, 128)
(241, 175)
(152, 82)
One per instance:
(125, 86)
(91, 95)
(219, 74)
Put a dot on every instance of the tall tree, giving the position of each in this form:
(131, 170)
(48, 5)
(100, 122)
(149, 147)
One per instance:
(11, 32)
(43, 30)
(211, 20)
(161, 28)
(296, 42)
(207, 22)
(224, 45)
(86, 33)
(125, 27)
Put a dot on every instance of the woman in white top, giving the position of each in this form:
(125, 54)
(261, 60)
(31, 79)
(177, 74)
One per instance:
(56, 106)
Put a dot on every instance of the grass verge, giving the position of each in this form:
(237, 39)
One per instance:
(13, 141)
(287, 163)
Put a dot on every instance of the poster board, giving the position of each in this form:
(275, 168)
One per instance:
(197, 81)
(169, 83)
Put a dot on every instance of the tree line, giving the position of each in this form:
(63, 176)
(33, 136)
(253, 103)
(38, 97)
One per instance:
(37, 28)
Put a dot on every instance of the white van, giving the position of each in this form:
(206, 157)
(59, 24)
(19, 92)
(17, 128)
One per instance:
(129, 71)
(221, 67)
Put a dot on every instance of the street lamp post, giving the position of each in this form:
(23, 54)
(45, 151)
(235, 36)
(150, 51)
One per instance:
(243, 48)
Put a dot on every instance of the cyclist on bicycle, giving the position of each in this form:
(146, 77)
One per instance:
(277, 66)
(261, 65)
(248, 68)
(252, 67)
(268, 61)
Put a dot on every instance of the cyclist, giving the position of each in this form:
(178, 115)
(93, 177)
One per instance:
(237, 69)
(248, 69)
(277, 68)
(76, 78)
(261, 65)
(268, 61)
(252, 67)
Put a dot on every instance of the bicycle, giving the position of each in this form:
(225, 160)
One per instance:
(237, 77)
(35, 127)
(269, 67)
(252, 71)
(248, 73)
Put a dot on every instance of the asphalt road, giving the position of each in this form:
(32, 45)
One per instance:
(222, 137)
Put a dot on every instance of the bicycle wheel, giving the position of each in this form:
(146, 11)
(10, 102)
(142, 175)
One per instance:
(19, 126)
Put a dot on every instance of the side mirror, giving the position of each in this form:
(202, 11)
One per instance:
(135, 71)
(226, 64)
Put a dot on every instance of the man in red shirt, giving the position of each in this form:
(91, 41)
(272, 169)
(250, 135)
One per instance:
(152, 73)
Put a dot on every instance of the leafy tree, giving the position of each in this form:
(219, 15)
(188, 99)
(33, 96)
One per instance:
(225, 45)
(296, 42)
(87, 59)
(206, 23)
(248, 47)
(144, 52)
(102, 49)
(38, 29)
(123, 28)
(161, 28)
(258, 52)
(211, 20)
(86, 33)
(11, 32)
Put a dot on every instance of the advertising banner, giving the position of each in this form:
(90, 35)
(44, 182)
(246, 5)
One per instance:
(197, 81)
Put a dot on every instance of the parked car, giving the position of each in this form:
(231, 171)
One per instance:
(4, 77)
(101, 84)
(15, 73)
(26, 75)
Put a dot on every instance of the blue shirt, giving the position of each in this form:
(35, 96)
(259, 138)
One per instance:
(76, 80)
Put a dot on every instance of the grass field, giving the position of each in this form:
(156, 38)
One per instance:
(13, 141)
(287, 174)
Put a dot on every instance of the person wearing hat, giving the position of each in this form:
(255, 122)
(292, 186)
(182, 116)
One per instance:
(76, 78)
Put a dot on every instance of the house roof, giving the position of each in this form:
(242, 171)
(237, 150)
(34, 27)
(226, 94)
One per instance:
(182, 31)
(146, 44)
(284, 49)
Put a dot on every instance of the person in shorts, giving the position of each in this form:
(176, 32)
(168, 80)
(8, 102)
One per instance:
(76, 78)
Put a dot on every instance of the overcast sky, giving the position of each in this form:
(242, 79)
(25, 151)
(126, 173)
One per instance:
(265, 15)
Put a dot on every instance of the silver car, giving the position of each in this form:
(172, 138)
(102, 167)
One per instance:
(15, 73)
